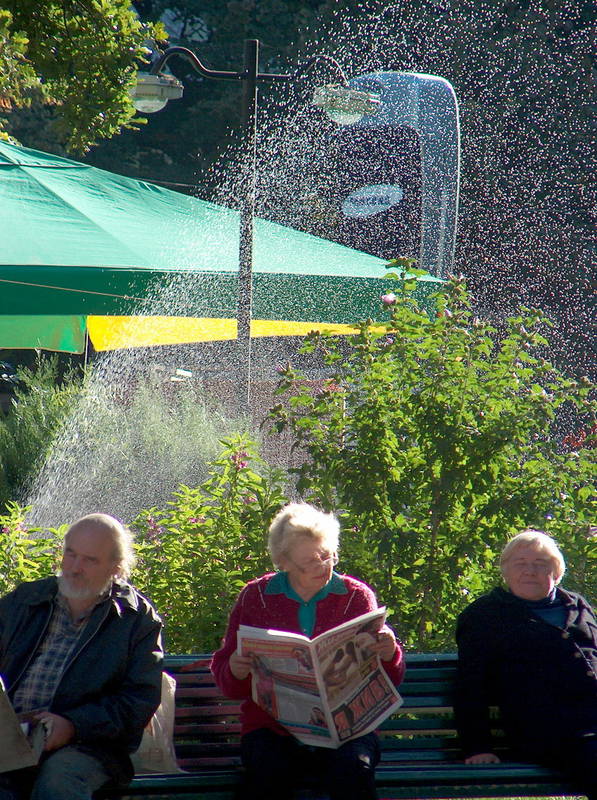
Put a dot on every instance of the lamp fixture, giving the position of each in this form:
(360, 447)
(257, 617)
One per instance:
(152, 92)
(343, 104)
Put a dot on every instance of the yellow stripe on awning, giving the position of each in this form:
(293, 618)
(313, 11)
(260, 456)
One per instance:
(117, 333)
(264, 327)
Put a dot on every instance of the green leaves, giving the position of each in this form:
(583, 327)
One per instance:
(435, 446)
(83, 58)
(434, 438)
(25, 553)
(41, 404)
(195, 555)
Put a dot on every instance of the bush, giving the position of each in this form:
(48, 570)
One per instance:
(26, 554)
(433, 440)
(40, 406)
(196, 555)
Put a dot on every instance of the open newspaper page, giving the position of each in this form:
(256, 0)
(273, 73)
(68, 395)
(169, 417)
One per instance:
(326, 690)
(20, 742)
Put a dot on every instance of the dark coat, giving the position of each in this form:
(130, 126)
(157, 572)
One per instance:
(543, 678)
(112, 683)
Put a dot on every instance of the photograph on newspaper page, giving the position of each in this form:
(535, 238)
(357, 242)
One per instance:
(325, 690)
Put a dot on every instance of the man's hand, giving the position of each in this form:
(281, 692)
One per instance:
(482, 758)
(240, 666)
(61, 731)
(385, 646)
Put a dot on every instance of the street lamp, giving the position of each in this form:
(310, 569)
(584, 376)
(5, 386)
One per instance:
(344, 105)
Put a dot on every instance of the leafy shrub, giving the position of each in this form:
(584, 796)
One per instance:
(432, 439)
(40, 406)
(195, 555)
(25, 553)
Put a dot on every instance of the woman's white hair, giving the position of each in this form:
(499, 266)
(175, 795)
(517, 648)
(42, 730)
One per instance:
(541, 542)
(121, 537)
(298, 520)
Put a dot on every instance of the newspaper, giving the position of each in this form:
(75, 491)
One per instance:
(325, 690)
(21, 742)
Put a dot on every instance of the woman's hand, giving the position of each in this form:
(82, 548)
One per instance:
(240, 666)
(385, 646)
(482, 758)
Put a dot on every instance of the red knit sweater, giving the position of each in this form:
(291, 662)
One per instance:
(255, 607)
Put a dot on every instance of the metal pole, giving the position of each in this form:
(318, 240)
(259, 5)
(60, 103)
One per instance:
(249, 76)
(247, 214)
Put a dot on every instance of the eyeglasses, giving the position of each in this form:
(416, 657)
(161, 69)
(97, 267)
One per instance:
(540, 565)
(316, 563)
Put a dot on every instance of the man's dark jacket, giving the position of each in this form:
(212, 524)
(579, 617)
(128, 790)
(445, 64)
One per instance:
(543, 678)
(112, 682)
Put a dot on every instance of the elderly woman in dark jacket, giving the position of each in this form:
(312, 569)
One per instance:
(531, 649)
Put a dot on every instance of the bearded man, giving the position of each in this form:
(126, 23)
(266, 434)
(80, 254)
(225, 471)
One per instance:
(81, 653)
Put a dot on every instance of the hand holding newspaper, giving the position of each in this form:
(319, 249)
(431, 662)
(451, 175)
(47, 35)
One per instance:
(21, 741)
(325, 690)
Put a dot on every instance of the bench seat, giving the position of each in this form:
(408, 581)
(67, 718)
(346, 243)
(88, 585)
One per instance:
(420, 755)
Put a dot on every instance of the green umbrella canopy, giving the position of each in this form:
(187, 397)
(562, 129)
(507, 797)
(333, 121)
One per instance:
(77, 240)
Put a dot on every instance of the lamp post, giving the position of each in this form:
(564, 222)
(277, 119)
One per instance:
(343, 104)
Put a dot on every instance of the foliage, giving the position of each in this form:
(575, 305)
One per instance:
(25, 553)
(81, 57)
(434, 438)
(196, 555)
(41, 403)
(433, 441)
(16, 74)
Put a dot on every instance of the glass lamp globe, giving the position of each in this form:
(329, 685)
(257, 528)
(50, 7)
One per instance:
(345, 105)
(152, 92)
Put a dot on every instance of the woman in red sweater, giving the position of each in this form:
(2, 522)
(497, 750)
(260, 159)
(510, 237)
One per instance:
(304, 596)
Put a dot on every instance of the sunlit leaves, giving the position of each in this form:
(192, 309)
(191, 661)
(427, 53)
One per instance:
(25, 553)
(437, 444)
(84, 55)
(196, 554)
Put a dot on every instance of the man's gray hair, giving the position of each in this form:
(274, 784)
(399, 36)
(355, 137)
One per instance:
(122, 539)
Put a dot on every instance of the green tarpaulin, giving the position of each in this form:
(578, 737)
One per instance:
(63, 334)
(79, 241)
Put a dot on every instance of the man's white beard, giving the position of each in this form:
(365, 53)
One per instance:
(84, 593)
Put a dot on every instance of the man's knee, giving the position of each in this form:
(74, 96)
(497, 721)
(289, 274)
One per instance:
(68, 774)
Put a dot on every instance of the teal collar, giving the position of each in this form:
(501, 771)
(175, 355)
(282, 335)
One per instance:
(279, 584)
(307, 610)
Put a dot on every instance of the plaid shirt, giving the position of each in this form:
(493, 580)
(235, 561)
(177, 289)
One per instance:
(36, 689)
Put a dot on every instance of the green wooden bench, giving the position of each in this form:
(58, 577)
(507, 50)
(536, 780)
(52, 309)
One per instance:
(420, 756)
